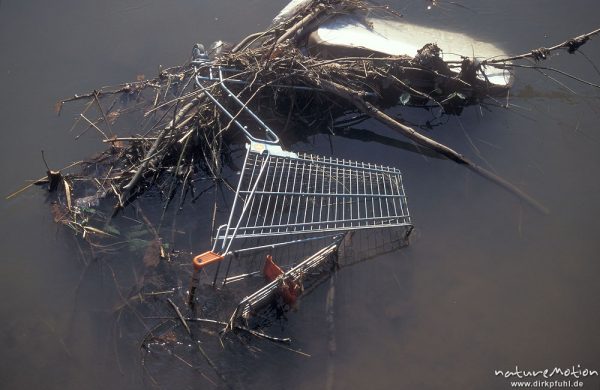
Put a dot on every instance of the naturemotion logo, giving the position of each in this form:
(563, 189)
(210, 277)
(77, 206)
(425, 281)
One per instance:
(557, 377)
(575, 372)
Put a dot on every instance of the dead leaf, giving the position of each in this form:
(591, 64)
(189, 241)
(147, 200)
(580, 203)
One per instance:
(58, 107)
(67, 193)
(152, 254)
(116, 144)
(141, 77)
(113, 116)
(168, 337)
(94, 230)
(59, 212)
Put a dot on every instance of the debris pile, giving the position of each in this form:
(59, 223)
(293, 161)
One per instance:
(185, 140)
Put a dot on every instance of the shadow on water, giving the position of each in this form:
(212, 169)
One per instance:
(485, 284)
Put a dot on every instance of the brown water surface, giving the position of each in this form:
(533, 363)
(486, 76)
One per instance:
(487, 283)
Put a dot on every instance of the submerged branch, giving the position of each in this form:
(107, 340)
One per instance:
(369, 109)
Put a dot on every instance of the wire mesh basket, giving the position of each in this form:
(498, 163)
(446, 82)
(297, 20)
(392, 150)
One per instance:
(284, 193)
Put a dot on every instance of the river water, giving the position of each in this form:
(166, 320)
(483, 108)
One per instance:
(486, 284)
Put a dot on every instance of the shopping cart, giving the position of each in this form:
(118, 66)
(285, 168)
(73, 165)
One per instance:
(286, 199)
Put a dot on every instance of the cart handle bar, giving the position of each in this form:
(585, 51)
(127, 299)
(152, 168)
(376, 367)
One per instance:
(206, 258)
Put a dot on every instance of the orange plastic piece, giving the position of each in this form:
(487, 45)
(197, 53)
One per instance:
(289, 290)
(271, 270)
(205, 259)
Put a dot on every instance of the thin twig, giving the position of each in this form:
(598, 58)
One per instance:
(180, 316)
(571, 45)
(94, 126)
(102, 112)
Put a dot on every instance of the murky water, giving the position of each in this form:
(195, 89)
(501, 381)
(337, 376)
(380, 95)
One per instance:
(487, 283)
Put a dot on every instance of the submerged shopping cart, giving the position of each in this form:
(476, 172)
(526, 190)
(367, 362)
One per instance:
(287, 199)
